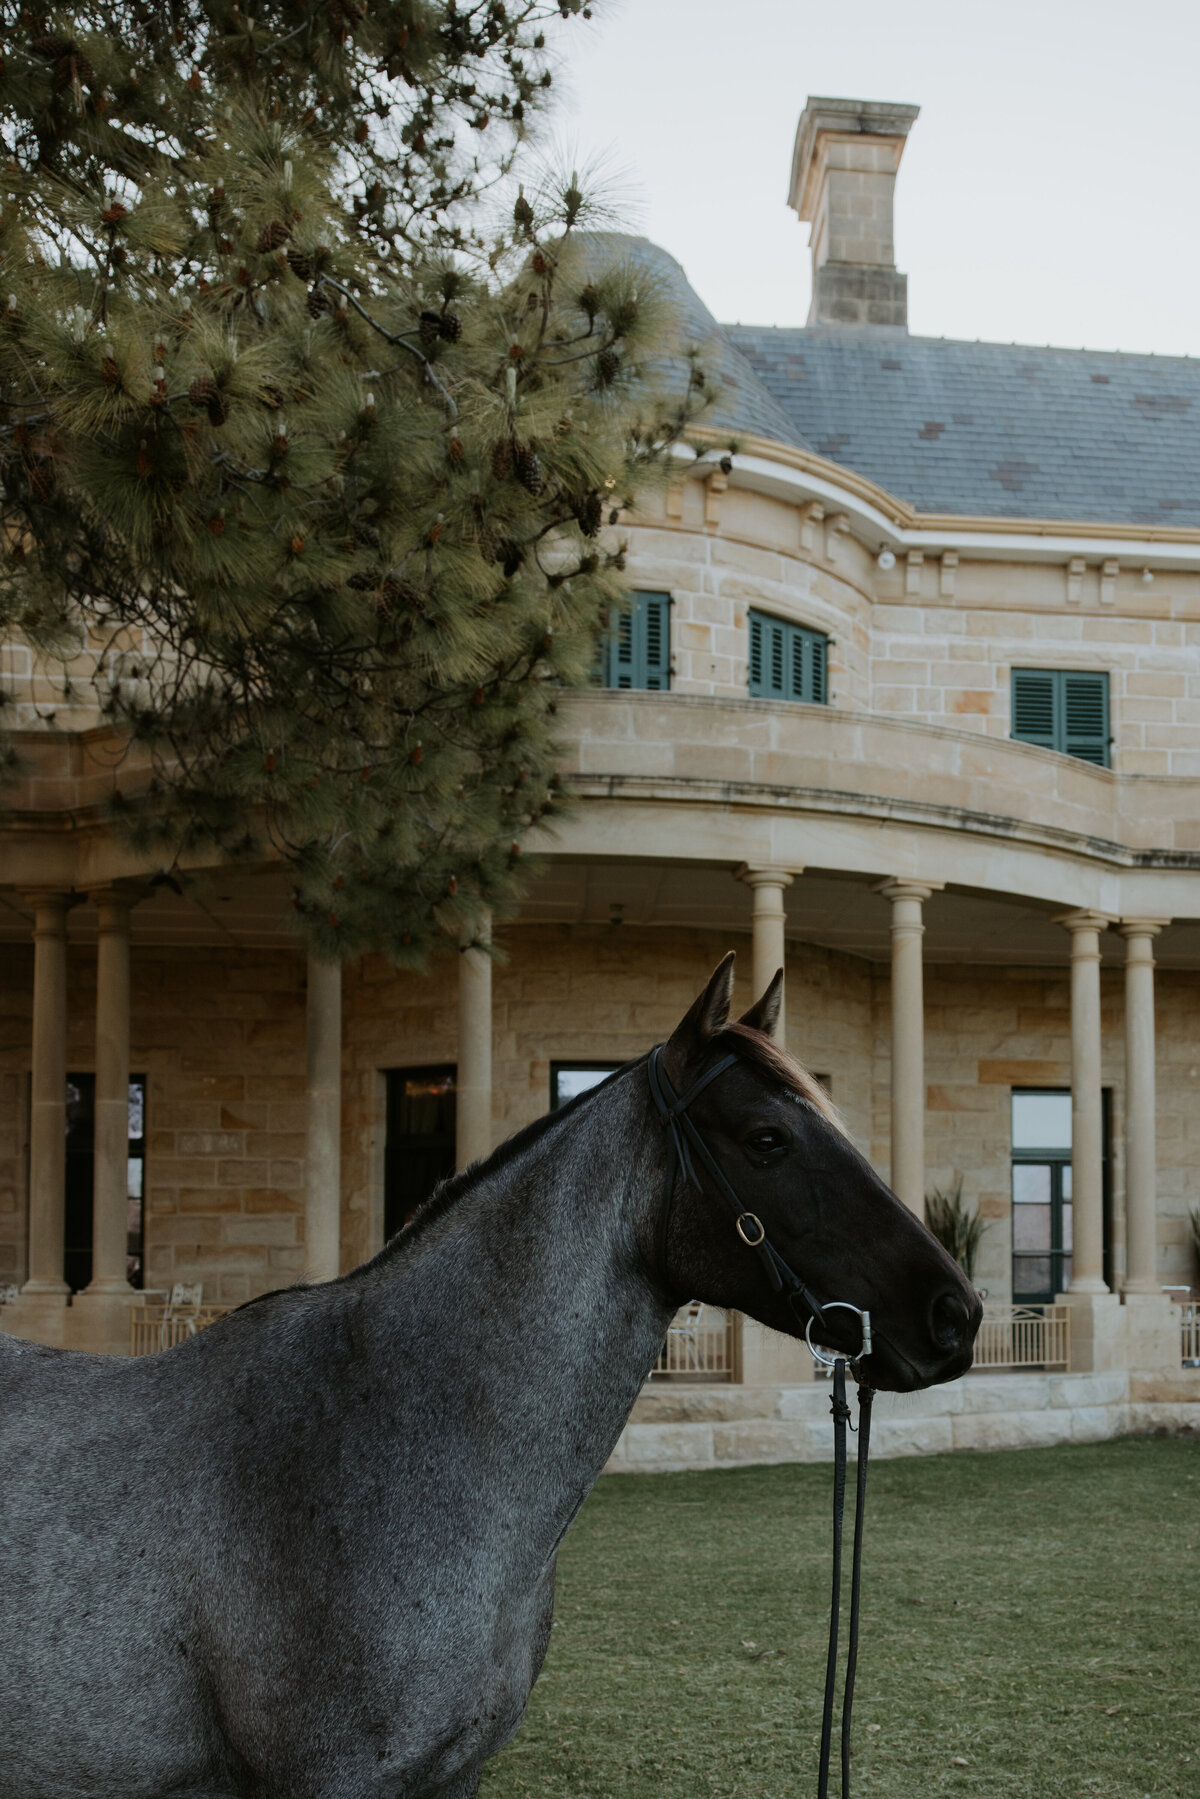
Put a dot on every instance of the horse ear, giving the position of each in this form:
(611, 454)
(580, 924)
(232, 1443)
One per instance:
(708, 1015)
(764, 1013)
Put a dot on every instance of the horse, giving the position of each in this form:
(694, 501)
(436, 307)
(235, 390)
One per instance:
(309, 1553)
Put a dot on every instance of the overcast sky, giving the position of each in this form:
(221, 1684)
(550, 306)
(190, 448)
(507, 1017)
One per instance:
(1048, 192)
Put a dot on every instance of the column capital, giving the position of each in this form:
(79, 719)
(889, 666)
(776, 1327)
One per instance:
(1142, 927)
(896, 887)
(46, 902)
(119, 893)
(765, 877)
(1083, 920)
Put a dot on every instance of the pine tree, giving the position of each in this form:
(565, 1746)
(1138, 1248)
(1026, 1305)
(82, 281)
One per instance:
(317, 475)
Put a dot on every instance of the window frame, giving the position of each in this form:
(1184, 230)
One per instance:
(582, 1064)
(654, 677)
(813, 647)
(1059, 737)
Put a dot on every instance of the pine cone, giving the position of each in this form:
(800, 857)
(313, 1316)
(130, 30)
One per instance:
(450, 327)
(52, 47)
(529, 470)
(205, 392)
(589, 511)
(608, 364)
(363, 581)
(511, 557)
(271, 236)
(318, 303)
(430, 329)
(301, 264)
(502, 458)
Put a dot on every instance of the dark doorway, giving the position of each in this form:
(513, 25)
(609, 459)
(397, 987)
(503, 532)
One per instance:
(419, 1149)
(81, 1140)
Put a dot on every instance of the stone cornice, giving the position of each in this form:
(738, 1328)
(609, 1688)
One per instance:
(879, 517)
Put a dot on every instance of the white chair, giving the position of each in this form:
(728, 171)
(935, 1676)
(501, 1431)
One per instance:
(182, 1306)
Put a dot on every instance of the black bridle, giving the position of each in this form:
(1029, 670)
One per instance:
(686, 1146)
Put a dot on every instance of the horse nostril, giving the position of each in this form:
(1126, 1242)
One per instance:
(948, 1321)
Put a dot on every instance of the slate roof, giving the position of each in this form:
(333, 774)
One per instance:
(745, 403)
(992, 430)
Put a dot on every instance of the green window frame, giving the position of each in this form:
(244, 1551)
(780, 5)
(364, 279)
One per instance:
(1062, 709)
(787, 662)
(636, 652)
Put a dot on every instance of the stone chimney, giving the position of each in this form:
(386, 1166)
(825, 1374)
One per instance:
(843, 175)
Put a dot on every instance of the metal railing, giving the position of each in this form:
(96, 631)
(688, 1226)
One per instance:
(1189, 1329)
(1024, 1337)
(699, 1346)
(152, 1328)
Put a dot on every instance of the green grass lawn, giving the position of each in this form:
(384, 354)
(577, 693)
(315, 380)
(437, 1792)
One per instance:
(1035, 1612)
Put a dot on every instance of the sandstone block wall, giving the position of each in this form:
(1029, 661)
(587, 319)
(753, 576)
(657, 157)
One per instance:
(918, 642)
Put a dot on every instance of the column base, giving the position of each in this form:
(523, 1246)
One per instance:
(769, 1359)
(38, 1317)
(1098, 1340)
(1152, 1331)
(99, 1322)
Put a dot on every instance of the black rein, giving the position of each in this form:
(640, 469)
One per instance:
(686, 1145)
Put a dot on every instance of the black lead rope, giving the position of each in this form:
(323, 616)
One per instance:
(685, 1147)
(841, 1419)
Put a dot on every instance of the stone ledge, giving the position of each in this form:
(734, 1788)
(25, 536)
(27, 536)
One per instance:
(728, 1427)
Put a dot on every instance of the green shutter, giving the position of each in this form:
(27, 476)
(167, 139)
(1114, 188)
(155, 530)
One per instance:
(786, 661)
(655, 619)
(1062, 709)
(637, 651)
(1033, 696)
(756, 653)
(1085, 716)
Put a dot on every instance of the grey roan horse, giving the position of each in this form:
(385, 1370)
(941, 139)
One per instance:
(309, 1554)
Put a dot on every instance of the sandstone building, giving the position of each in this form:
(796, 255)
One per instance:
(910, 700)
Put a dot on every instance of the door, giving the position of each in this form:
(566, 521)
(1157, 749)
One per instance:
(81, 1140)
(419, 1149)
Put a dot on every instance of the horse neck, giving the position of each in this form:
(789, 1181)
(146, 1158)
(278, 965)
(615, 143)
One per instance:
(542, 1319)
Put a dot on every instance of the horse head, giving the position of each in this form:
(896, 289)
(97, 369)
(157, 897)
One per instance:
(838, 1231)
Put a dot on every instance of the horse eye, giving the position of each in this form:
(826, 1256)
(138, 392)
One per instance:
(763, 1143)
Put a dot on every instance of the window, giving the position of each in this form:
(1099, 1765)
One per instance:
(1042, 1213)
(637, 651)
(786, 661)
(1041, 1192)
(569, 1079)
(1062, 710)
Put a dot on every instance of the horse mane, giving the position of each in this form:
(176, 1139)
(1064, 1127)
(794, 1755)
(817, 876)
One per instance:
(743, 1040)
(763, 1052)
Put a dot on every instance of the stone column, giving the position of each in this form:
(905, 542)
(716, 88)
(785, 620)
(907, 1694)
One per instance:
(473, 1109)
(1151, 1326)
(908, 1039)
(1097, 1326)
(1087, 1116)
(1141, 1211)
(40, 1309)
(323, 1105)
(768, 952)
(99, 1317)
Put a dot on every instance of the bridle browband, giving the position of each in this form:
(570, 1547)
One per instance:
(685, 1146)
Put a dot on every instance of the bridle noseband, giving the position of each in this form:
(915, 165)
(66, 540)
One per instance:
(685, 1145)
